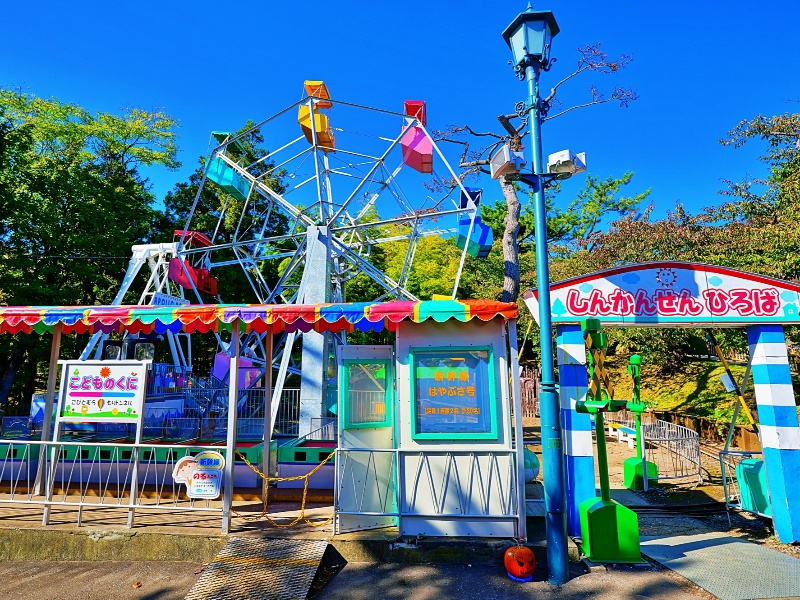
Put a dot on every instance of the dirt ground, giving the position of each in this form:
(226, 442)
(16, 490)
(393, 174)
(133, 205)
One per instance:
(687, 493)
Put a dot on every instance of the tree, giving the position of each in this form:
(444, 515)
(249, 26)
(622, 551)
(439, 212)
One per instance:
(73, 202)
(218, 214)
(591, 58)
(781, 188)
(576, 225)
(435, 265)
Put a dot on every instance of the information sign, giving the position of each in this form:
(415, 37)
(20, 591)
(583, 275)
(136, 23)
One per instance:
(102, 391)
(202, 474)
(452, 391)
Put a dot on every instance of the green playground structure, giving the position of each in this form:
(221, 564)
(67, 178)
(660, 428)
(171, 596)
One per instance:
(609, 530)
(634, 468)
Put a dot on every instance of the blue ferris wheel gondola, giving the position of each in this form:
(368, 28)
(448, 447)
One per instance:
(479, 244)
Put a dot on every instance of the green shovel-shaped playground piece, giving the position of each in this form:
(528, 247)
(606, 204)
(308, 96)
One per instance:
(609, 531)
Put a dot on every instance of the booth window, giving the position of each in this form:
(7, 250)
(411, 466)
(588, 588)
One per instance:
(367, 392)
(454, 393)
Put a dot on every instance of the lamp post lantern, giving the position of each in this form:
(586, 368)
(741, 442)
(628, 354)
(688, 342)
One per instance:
(529, 37)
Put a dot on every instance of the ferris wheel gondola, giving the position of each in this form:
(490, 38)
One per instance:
(315, 208)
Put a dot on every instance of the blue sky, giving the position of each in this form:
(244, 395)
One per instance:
(698, 67)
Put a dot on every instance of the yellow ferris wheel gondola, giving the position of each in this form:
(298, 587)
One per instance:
(318, 124)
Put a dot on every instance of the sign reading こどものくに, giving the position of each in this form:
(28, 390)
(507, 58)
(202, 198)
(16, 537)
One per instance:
(107, 391)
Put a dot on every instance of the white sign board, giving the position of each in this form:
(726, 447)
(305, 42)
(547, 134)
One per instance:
(96, 391)
(202, 474)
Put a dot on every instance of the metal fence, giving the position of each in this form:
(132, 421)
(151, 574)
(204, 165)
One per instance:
(98, 475)
(674, 449)
(444, 485)
(324, 428)
(729, 460)
(529, 391)
(201, 402)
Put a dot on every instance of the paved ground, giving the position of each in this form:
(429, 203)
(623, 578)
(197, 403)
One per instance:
(65, 580)
(481, 582)
(23, 580)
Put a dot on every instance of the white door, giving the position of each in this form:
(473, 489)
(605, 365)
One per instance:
(366, 463)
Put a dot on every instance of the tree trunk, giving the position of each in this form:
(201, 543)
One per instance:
(510, 247)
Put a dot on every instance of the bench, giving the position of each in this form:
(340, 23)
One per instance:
(623, 433)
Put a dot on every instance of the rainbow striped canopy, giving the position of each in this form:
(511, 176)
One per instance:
(202, 318)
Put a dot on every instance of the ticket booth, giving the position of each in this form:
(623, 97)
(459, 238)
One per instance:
(427, 438)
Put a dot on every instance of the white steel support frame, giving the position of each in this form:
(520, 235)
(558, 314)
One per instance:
(230, 444)
(47, 422)
(156, 256)
(519, 445)
(351, 235)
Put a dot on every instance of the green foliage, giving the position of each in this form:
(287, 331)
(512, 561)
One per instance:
(669, 349)
(73, 202)
(595, 202)
(695, 389)
(781, 188)
(571, 227)
(435, 265)
(754, 232)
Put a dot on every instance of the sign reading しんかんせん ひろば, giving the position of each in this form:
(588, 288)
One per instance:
(102, 391)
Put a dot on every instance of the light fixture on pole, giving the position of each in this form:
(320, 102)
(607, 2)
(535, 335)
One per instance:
(530, 36)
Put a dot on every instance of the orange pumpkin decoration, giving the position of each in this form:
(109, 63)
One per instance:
(520, 563)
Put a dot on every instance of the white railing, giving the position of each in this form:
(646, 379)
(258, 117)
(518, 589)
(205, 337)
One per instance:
(287, 421)
(324, 428)
(250, 406)
(674, 449)
(97, 475)
(729, 460)
(201, 402)
(440, 484)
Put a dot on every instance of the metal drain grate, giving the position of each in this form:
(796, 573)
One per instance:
(260, 568)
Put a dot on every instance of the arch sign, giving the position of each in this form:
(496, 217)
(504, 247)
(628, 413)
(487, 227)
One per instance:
(669, 294)
(679, 294)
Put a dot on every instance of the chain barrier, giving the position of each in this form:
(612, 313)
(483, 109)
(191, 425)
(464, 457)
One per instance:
(267, 479)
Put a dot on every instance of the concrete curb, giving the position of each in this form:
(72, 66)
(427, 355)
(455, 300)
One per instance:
(99, 545)
(130, 545)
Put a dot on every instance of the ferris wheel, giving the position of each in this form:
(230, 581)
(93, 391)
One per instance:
(316, 207)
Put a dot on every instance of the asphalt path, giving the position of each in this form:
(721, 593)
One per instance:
(24, 580)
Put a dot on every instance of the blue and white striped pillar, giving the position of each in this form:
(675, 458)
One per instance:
(778, 426)
(577, 428)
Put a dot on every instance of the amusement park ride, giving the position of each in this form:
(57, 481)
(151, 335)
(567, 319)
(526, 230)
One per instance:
(299, 222)
(343, 193)
(429, 436)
